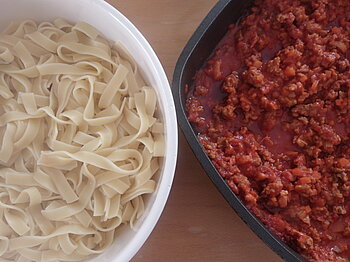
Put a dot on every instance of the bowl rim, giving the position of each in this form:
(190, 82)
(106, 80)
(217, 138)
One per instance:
(167, 108)
(270, 239)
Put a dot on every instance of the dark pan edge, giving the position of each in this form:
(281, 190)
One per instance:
(276, 244)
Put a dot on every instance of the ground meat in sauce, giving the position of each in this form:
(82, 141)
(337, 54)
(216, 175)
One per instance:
(272, 109)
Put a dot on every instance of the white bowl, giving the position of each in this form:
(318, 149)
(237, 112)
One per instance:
(114, 26)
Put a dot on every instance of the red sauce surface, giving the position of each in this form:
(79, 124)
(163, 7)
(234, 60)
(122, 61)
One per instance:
(272, 110)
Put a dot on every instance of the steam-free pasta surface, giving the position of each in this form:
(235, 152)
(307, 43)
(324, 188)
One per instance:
(79, 141)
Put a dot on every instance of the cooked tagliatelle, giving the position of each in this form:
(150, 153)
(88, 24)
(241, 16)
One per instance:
(79, 141)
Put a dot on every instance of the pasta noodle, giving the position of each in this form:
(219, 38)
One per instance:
(80, 141)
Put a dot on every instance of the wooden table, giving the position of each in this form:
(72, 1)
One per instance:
(197, 223)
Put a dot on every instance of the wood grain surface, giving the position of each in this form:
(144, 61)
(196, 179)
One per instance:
(197, 223)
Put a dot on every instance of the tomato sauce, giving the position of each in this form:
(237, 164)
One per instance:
(271, 106)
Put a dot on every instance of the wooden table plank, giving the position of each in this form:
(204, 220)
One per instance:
(197, 224)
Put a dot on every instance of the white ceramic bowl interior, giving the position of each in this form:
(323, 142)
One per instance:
(113, 25)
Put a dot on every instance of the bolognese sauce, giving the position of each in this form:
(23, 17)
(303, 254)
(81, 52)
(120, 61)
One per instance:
(272, 110)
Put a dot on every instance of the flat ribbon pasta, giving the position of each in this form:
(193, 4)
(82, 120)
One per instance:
(80, 141)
